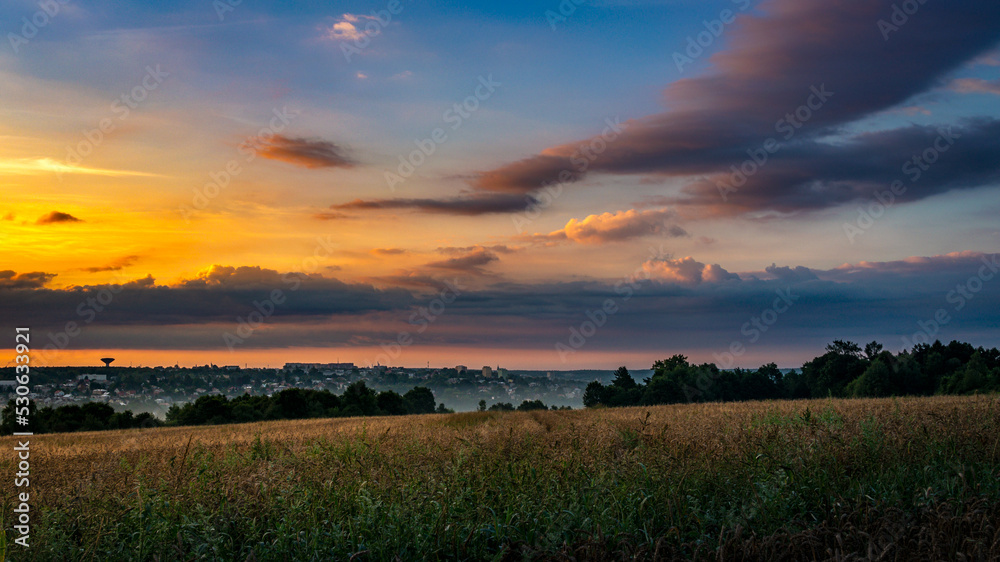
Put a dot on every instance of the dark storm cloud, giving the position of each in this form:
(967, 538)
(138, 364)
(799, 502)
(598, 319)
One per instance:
(813, 175)
(663, 308)
(218, 295)
(830, 54)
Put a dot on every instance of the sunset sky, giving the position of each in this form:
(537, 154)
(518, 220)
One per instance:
(534, 185)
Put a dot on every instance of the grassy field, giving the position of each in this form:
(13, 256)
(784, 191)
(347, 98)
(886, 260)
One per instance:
(894, 479)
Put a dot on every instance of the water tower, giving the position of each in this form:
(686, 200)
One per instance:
(107, 361)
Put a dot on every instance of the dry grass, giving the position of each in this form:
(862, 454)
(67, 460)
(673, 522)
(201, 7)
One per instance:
(819, 479)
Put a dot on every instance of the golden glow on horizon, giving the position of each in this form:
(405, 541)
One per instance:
(415, 356)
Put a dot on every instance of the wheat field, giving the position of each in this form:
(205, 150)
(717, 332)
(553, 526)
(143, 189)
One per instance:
(894, 479)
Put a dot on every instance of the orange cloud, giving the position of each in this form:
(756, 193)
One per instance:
(612, 227)
(686, 271)
(346, 29)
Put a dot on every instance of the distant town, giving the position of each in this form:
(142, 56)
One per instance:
(156, 389)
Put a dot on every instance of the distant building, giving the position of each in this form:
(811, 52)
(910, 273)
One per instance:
(461, 369)
(93, 378)
(501, 372)
(320, 366)
(487, 371)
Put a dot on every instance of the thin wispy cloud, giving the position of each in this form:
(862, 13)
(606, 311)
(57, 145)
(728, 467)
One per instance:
(37, 166)
(384, 252)
(976, 85)
(471, 205)
(472, 262)
(116, 265)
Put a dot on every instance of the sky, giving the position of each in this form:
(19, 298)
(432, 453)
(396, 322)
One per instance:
(543, 185)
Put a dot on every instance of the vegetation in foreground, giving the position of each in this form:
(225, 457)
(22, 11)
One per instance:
(900, 479)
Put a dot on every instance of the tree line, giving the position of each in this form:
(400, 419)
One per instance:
(293, 403)
(844, 370)
(90, 416)
(298, 403)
